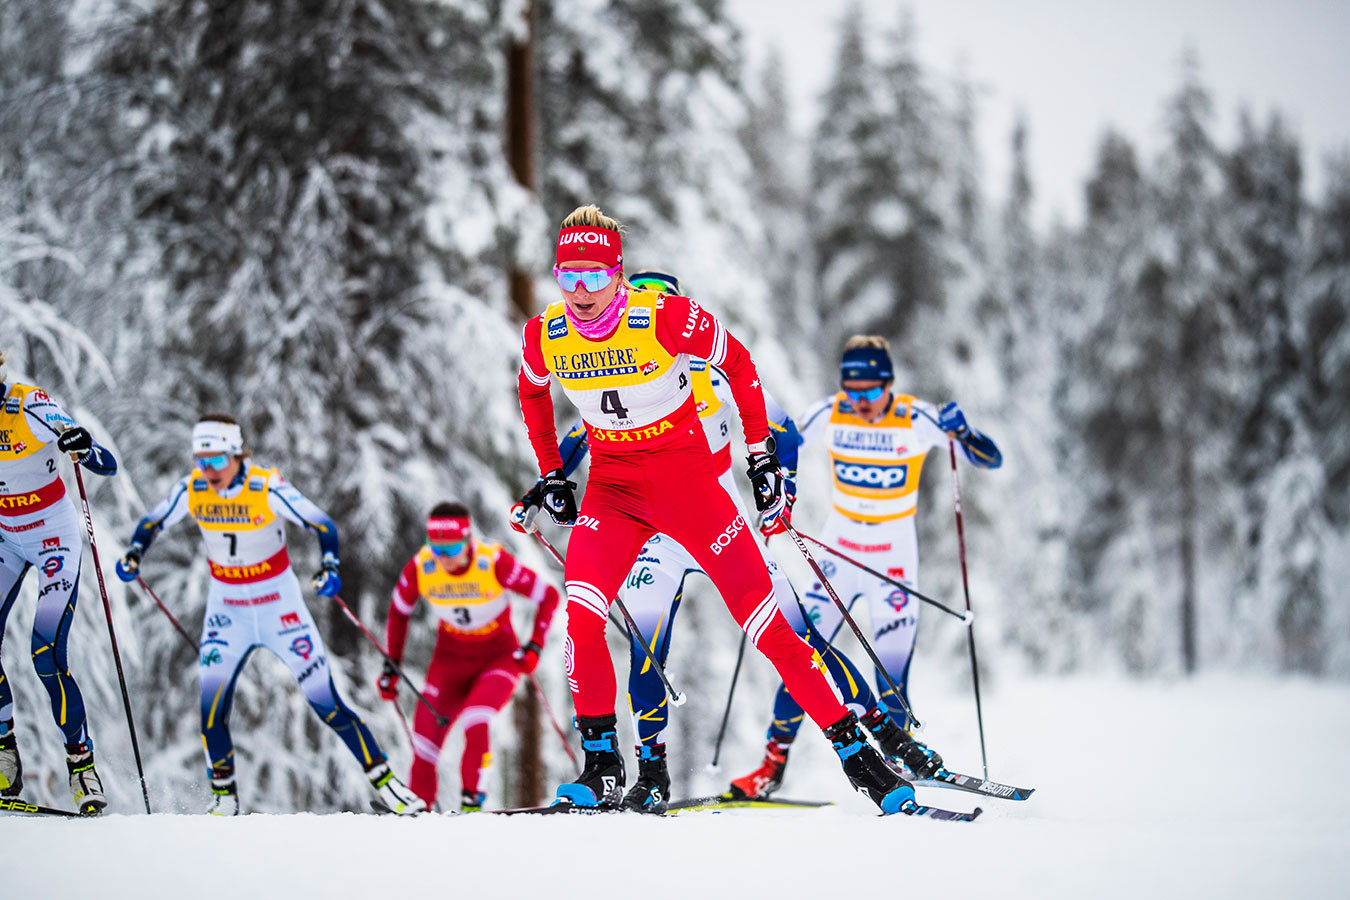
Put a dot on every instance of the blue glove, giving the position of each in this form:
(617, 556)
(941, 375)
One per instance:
(952, 420)
(326, 582)
(128, 568)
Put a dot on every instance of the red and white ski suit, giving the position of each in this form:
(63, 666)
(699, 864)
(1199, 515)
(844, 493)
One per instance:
(651, 471)
(473, 672)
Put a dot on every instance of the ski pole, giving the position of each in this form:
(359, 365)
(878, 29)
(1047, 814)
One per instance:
(440, 719)
(162, 608)
(112, 637)
(14, 804)
(966, 617)
(857, 632)
(553, 720)
(726, 713)
(635, 637)
(965, 584)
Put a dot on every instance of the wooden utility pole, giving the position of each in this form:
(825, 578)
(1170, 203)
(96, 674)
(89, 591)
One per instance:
(520, 140)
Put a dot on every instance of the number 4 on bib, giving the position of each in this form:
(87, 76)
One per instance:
(609, 403)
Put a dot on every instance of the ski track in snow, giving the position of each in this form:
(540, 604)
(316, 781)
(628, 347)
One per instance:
(1152, 790)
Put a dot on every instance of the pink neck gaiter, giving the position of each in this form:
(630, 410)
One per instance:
(605, 323)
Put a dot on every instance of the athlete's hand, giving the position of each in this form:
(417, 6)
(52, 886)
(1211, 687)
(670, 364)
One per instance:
(953, 421)
(767, 479)
(527, 658)
(129, 566)
(76, 441)
(779, 524)
(526, 509)
(558, 498)
(388, 681)
(326, 582)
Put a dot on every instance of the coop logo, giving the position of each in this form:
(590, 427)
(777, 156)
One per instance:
(557, 327)
(858, 475)
(302, 647)
(639, 317)
(727, 536)
(52, 566)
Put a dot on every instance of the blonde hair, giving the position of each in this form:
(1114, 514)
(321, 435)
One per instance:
(867, 340)
(590, 216)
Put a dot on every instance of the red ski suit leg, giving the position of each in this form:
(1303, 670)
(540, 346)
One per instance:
(490, 691)
(456, 681)
(675, 490)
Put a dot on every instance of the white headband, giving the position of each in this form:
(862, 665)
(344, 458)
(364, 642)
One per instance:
(217, 437)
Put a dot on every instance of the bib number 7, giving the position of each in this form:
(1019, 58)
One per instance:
(610, 403)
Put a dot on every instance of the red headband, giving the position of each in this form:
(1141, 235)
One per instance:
(448, 530)
(586, 242)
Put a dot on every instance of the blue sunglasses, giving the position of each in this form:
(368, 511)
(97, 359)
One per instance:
(866, 396)
(217, 462)
(592, 279)
(454, 549)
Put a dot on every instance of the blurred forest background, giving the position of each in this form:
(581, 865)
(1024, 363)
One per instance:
(328, 217)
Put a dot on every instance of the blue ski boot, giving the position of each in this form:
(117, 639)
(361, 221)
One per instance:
(602, 778)
(866, 770)
(651, 792)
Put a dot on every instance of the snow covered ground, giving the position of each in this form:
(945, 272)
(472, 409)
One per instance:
(1220, 787)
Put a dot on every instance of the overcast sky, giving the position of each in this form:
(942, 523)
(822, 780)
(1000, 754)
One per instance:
(1075, 66)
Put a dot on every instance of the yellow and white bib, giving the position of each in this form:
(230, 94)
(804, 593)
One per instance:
(626, 387)
(876, 465)
(30, 479)
(245, 540)
(468, 603)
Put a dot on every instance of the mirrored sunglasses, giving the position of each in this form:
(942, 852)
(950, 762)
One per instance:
(454, 549)
(868, 395)
(217, 462)
(592, 279)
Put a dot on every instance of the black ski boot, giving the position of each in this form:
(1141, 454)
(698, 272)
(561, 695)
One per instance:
(11, 766)
(85, 785)
(651, 792)
(899, 745)
(602, 778)
(866, 770)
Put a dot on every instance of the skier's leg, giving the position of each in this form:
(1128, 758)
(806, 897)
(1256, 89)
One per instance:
(12, 570)
(446, 687)
(55, 554)
(489, 693)
(652, 595)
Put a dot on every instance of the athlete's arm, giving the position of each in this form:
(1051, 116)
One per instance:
(166, 513)
(536, 403)
(401, 603)
(296, 508)
(45, 416)
(811, 424)
(525, 582)
(978, 449)
(784, 430)
(682, 326)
